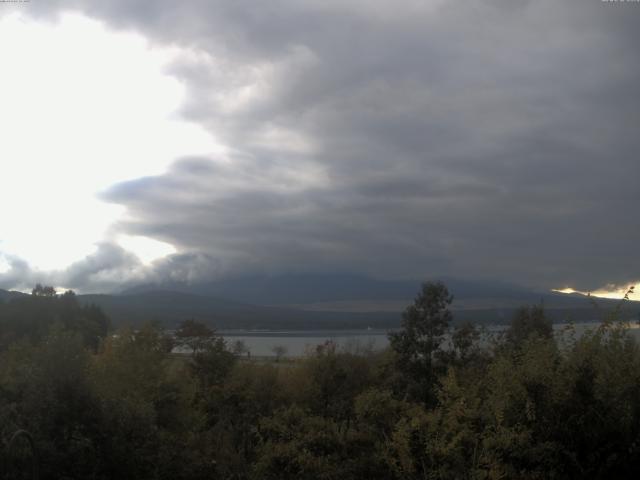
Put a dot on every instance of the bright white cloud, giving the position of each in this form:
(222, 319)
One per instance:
(147, 249)
(82, 108)
(4, 265)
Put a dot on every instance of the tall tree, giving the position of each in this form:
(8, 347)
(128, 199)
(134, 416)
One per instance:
(417, 344)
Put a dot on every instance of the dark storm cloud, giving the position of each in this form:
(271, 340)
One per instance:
(407, 139)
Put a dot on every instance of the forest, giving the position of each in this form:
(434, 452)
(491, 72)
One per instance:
(80, 400)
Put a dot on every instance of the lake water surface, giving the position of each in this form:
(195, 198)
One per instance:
(298, 342)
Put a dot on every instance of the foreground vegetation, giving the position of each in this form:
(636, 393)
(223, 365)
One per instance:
(440, 403)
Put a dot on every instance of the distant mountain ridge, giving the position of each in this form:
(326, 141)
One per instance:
(170, 307)
(314, 288)
(341, 299)
(6, 295)
(326, 302)
(307, 291)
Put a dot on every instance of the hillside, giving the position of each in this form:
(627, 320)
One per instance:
(6, 295)
(328, 302)
(335, 301)
(384, 300)
(170, 307)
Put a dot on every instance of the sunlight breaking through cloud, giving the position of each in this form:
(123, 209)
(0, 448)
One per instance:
(608, 291)
(145, 248)
(82, 108)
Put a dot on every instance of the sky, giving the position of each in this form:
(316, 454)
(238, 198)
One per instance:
(154, 140)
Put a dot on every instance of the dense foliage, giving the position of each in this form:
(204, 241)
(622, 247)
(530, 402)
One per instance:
(440, 403)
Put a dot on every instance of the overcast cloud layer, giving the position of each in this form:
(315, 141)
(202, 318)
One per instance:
(401, 139)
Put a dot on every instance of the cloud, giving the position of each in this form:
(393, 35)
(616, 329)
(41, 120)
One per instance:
(16, 273)
(109, 268)
(106, 269)
(401, 139)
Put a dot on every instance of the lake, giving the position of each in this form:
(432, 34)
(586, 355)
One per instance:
(297, 342)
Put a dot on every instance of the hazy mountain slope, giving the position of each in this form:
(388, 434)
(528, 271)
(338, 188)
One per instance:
(340, 301)
(328, 302)
(6, 295)
(340, 292)
(314, 288)
(172, 307)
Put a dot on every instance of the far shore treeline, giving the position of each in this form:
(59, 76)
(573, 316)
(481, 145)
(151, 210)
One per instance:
(80, 399)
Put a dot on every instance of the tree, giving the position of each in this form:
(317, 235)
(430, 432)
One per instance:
(239, 348)
(464, 340)
(194, 335)
(417, 344)
(212, 362)
(528, 321)
(31, 317)
(333, 379)
(46, 291)
(279, 351)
